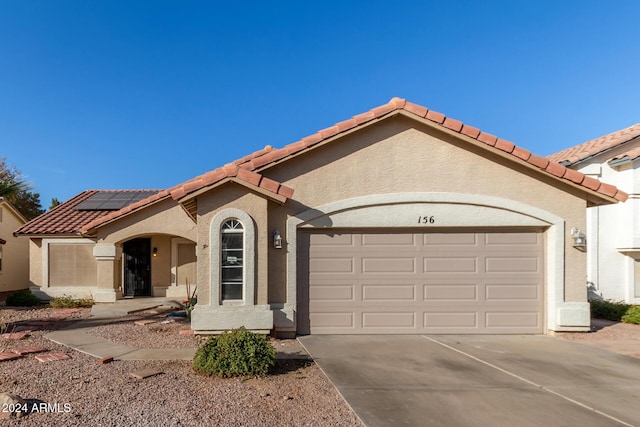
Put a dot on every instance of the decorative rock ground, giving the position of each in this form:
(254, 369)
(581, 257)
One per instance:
(12, 405)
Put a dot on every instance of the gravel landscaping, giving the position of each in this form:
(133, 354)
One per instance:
(80, 392)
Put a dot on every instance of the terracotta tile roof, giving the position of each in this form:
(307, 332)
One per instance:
(247, 170)
(269, 156)
(632, 154)
(180, 191)
(588, 149)
(64, 219)
(232, 170)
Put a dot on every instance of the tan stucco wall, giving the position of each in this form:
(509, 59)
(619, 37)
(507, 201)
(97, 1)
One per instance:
(35, 262)
(232, 195)
(161, 264)
(402, 155)
(15, 253)
(165, 217)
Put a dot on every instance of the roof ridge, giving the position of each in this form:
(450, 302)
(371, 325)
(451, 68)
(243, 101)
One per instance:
(396, 104)
(230, 170)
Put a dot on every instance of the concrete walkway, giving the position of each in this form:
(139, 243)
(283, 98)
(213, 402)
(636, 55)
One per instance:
(78, 338)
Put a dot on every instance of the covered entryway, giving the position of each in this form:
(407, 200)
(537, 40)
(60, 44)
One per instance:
(390, 282)
(137, 267)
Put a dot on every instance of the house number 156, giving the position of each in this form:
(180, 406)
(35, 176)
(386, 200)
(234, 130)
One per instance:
(426, 220)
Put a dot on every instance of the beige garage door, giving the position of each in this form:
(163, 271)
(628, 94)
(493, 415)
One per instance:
(432, 283)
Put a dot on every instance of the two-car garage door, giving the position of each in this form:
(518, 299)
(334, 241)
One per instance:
(446, 282)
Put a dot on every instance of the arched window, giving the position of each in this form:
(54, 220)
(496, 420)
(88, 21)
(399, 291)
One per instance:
(232, 259)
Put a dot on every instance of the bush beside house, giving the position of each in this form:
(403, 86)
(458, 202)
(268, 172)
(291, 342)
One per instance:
(616, 311)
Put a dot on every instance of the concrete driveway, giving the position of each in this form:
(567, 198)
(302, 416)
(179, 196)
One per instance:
(447, 380)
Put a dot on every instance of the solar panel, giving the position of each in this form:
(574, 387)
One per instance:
(112, 200)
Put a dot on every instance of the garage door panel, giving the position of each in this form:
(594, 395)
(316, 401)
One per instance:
(333, 320)
(332, 293)
(395, 292)
(508, 239)
(332, 239)
(386, 240)
(331, 265)
(388, 320)
(388, 265)
(519, 292)
(450, 292)
(422, 283)
(459, 319)
(512, 264)
(450, 265)
(449, 239)
(512, 319)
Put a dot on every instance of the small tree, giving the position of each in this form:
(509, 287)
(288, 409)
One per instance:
(17, 191)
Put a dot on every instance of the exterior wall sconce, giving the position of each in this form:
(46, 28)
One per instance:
(277, 240)
(155, 252)
(579, 239)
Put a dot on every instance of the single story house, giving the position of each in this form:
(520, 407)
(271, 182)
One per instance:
(612, 231)
(14, 252)
(399, 220)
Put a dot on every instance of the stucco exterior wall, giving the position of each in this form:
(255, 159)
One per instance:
(402, 156)
(35, 263)
(165, 217)
(232, 195)
(15, 252)
(161, 264)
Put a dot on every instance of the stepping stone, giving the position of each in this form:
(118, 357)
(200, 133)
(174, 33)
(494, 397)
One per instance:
(143, 322)
(105, 360)
(52, 357)
(145, 373)
(9, 356)
(16, 335)
(164, 322)
(187, 332)
(28, 350)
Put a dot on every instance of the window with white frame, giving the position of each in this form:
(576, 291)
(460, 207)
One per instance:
(232, 260)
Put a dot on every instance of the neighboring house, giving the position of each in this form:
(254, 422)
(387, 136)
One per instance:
(14, 252)
(613, 231)
(399, 220)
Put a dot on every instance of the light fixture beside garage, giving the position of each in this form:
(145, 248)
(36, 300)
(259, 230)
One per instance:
(277, 240)
(579, 239)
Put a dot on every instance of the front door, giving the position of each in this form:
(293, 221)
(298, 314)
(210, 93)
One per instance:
(137, 267)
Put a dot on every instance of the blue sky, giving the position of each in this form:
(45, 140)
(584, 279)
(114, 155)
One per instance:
(147, 94)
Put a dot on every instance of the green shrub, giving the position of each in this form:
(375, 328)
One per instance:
(66, 301)
(235, 353)
(610, 310)
(632, 315)
(24, 298)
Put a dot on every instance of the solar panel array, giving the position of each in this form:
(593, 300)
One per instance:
(112, 200)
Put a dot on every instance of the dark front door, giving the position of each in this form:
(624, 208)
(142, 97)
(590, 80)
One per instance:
(137, 267)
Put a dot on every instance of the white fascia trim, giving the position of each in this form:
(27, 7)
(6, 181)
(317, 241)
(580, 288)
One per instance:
(554, 224)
